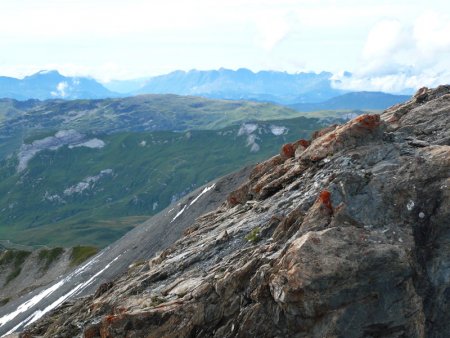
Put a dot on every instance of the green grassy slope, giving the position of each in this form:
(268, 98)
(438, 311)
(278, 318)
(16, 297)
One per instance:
(22, 120)
(93, 196)
(138, 113)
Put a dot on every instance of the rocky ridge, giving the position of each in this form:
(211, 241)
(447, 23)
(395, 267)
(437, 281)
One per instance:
(23, 271)
(343, 235)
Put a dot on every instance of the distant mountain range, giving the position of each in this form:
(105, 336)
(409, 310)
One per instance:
(243, 84)
(301, 91)
(354, 100)
(52, 85)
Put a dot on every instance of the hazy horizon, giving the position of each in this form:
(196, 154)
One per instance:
(387, 45)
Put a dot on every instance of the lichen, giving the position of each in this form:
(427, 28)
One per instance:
(304, 143)
(288, 150)
(368, 121)
(325, 198)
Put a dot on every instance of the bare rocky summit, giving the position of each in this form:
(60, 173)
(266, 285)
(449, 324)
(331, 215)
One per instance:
(345, 235)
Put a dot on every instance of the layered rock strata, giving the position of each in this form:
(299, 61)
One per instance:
(345, 235)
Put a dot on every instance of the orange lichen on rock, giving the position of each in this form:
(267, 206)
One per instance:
(112, 318)
(300, 146)
(330, 137)
(321, 132)
(239, 196)
(232, 200)
(325, 198)
(357, 132)
(368, 121)
(302, 142)
(288, 150)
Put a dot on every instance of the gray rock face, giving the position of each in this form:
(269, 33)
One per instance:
(71, 137)
(347, 235)
(35, 270)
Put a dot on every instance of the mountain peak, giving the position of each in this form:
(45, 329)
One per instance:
(243, 83)
(48, 84)
(45, 73)
(48, 72)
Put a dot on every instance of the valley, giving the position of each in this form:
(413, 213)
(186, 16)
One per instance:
(86, 172)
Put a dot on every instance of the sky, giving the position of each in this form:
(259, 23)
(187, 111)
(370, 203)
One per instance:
(386, 45)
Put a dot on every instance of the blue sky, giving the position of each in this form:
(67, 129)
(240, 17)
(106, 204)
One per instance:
(388, 45)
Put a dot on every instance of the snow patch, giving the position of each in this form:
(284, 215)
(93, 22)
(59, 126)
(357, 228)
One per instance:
(94, 143)
(247, 129)
(75, 291)
(87, 183)
(179, 213)
(278, 130)
(204, 191)
(30, 303)
(61, 138)
(71, 137)
(43, 294)
(53, 198)
(251, 142)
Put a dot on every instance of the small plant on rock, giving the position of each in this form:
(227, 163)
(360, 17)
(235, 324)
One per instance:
(254, 235)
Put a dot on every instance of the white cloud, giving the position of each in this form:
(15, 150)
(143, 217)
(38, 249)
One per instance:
(103, 72)
(399, 56)
(432, 33)
(394, 83)
(113, 39)
(383, 39)
(273, 28)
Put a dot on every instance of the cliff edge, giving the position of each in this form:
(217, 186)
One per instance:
(344, 235)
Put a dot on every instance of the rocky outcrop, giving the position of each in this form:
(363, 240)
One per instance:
(346, 235)
(71, 138)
